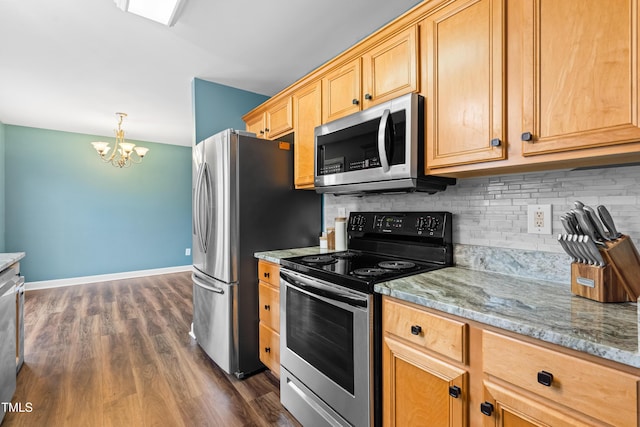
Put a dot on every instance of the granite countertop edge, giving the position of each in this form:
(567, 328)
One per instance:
(9, 258)
(546, 310)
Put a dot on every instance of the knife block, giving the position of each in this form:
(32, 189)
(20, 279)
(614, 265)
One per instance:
(617, 281)
(596, 283)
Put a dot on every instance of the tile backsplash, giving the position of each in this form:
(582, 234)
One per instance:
(492, 211)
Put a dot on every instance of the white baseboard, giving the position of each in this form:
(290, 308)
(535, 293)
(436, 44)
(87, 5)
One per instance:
(57, 283)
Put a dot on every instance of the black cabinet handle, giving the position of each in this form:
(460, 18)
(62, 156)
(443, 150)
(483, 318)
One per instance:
(454, 391)
(545, 378)
(416, 329)
(355, 102)
(261, 132)
(527, 136)
(267, 349)
(495, 142)
(486, 408)
(266, 275)
(266, 130)
(267, 307)
(368, 96)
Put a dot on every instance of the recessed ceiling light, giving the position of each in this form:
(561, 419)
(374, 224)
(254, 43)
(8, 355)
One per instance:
(162, 11)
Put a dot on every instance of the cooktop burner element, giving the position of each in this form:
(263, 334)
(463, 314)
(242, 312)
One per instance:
(396, 265)
(319, 259)
(382, 246)
(370, 272)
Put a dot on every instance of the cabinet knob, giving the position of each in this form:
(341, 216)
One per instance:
(267, 349)
(368, 96)
(545, 378)
(266, 275)
(495, 142)
(261, 132)
(267, 307)
(486, 408)
(416, 329)
(266, 130)
(355, 102)
(527, 136)
(454, 391)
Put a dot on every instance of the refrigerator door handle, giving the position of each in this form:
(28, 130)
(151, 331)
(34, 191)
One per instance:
(203, 285)
(197, 206)
(208, 183)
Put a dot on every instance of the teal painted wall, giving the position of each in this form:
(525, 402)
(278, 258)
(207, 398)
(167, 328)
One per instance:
(2, 186)
(76, 216)
(218, 107)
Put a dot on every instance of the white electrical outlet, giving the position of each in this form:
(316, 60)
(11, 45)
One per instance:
(539, 219)
(187, 252)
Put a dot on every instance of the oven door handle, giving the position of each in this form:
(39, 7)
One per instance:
(317, 288)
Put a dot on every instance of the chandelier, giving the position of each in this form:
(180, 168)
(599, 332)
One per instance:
(124, 154)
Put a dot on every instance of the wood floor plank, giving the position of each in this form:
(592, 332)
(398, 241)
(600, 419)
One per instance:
(118, 353)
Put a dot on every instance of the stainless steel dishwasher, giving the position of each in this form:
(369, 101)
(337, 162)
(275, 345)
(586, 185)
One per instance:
(9, 281)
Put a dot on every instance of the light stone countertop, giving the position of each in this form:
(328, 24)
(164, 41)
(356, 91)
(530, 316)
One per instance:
(540, 309)
(6, 259)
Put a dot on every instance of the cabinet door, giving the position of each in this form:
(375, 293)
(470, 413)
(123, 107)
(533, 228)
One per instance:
(307, 108)
(270, 348)
(464, 82)
(390, 69)
(341, 91)
(279, 119)
(419, 390)
(256, 125)
(509, 408)
(580, 74)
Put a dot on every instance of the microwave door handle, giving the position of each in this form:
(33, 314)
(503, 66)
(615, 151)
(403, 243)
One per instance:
(382, 140)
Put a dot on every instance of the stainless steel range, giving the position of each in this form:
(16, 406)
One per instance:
(330, 343)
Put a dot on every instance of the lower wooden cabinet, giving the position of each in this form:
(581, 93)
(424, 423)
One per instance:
(541, 377)
(502, 380)
(419, 388)
(269, 309)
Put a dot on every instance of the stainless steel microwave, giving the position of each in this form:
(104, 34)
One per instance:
(379, 149)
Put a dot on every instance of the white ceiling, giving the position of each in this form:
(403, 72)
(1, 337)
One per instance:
(71, 64)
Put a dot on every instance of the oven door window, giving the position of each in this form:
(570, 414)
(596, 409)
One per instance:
(322, 334)
(356, 147)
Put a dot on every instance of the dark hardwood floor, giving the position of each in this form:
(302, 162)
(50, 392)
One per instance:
(119, 354)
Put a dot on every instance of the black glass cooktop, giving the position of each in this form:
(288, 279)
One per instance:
(357, 270)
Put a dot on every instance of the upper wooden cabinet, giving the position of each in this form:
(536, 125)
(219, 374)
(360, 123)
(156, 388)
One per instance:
(273, 123)
(390, 69)
(341, 91)
(580, 75)
(384, 72)
(307, 108)
(464, 83)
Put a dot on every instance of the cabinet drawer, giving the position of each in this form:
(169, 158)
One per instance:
(436, 333)
(269, 300)
(269, 272)
(270, 348)
(595, 390)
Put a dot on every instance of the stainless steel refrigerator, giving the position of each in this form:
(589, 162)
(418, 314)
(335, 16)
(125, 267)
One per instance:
(243, 202)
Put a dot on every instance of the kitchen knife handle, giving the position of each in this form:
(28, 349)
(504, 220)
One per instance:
(597, 224)
(608, 221)
(585, 224)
